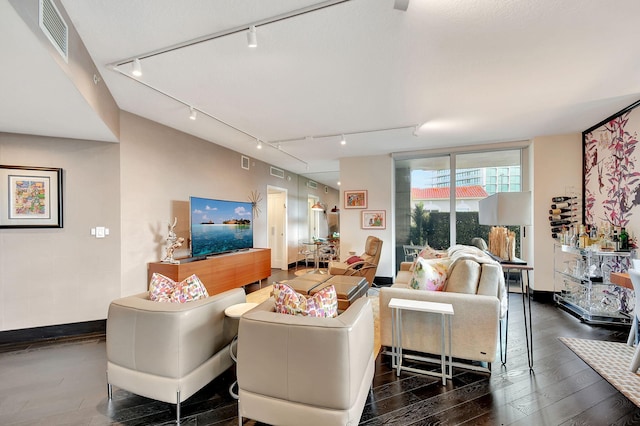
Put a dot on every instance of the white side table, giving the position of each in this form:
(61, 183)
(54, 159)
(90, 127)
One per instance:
(445, 310)
(236, 311)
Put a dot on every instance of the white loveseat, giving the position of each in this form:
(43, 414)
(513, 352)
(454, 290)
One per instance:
(474, 287)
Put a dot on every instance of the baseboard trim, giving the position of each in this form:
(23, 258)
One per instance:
(383, 281)
(52, 332)
(542, 296)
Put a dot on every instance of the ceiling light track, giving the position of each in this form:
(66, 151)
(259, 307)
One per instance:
(194, 110)
(243, 28)
(342, 135)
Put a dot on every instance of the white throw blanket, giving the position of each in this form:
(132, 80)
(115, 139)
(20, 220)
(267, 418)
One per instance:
(462, 252)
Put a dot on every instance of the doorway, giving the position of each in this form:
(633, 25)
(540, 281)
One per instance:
(313, 218)
(277, 226)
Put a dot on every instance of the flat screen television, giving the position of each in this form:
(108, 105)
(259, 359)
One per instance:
(220, 226)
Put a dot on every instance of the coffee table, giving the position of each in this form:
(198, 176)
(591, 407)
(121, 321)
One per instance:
(348, 288)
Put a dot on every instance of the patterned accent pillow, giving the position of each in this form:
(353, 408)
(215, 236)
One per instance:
(430, 274)
(164, 289)
(323, 304)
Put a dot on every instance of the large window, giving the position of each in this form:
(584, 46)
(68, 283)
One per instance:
(429, 212)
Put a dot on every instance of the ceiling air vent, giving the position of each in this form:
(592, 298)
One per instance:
(54, 27)
(313, 185)
(277, 172)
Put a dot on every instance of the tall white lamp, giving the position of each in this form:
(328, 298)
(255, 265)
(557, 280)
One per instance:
(506, 209)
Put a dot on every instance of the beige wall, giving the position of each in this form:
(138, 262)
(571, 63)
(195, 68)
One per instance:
(58, 276)
(375, 174)
(557, 162)
(161, 167)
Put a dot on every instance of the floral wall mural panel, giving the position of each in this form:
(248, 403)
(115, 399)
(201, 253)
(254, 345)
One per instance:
(611, 180)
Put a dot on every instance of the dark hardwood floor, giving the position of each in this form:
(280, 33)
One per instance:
(63, 383)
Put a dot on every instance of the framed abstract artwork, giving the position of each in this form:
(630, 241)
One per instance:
(374, 219)
(30, 197)
(355, 199)
(611, 169)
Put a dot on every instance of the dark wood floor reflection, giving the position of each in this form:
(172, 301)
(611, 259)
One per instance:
(63, 383)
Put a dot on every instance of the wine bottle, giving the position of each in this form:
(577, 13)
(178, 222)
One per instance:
(560, 216)
(563, 205)
(624, 239)
(557, 229)
(561, 199)
(564, 212)
(561, 222)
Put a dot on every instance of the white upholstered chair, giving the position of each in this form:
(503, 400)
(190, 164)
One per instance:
(169, 351)
(300, 370)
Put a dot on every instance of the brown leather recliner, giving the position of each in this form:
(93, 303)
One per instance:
(366, 267)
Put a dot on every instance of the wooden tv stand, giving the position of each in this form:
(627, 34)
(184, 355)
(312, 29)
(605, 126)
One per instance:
(220, 272)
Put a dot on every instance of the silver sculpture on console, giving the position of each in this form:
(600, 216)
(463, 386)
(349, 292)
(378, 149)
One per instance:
(173, 242)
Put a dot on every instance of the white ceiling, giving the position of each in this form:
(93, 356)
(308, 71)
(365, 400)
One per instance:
(476, 71)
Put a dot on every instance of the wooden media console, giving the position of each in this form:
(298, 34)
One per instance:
(220, 272)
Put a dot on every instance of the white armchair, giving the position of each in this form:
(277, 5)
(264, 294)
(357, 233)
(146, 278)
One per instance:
(169, 351)
(295, 370)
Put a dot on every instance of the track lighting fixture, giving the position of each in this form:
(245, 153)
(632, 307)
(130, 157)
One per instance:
(193, 113)
(137, 68)
(402, 5)
(252, 37)
(343, 141)
(259, 144)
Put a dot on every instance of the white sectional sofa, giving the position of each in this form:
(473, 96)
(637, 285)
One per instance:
(476, 290)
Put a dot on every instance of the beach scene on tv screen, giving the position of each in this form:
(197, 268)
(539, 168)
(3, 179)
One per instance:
(220, 226)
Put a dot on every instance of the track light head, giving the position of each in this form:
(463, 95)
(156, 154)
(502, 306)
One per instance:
(252, 37)
(193, 114)
(402, 5)
(343, 141)
(137, 68)
(259, 144)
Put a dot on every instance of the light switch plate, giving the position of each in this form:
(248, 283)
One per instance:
(100, 233)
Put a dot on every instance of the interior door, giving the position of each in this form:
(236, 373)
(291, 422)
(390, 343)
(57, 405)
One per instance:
(277, 227)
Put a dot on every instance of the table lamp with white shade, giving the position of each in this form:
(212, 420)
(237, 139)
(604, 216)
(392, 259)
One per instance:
(500, 210)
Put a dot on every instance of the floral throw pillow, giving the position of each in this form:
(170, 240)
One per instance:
(429, 274)
(164, 289)
(323, 304)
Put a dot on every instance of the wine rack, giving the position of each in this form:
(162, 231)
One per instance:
(563, 215)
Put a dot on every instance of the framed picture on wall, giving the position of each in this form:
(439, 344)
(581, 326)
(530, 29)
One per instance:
(374, 219)
(611, 169)
(30, 197)
(355, 199)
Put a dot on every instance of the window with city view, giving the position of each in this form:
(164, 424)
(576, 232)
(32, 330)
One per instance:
(428, 213)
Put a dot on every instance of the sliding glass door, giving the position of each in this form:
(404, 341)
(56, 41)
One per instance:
(428, 212)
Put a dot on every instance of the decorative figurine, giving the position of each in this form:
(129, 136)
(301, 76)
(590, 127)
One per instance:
(173, 242)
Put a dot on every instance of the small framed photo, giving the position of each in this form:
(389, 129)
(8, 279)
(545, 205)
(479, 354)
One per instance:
(244, 162)
(374, 219)
(30, 197)
(355, 199)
